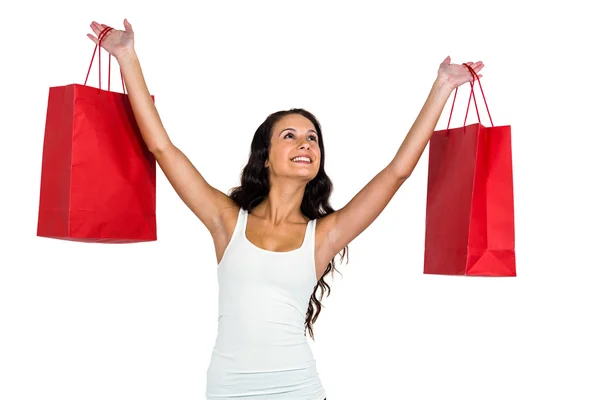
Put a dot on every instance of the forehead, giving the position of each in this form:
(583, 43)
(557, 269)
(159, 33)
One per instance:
(296, 121)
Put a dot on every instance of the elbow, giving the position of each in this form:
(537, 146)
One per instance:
(158, 149)
(400, 174)
(402, 178)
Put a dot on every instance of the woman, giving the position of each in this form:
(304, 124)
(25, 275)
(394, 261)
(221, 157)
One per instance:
(276, 235)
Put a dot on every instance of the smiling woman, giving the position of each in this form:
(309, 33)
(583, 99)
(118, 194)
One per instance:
(276, 235)
(271, 263)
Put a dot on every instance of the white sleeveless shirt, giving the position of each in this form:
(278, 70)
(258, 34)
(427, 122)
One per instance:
(261, 352)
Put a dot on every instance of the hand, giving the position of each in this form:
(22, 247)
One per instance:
(457, 74)
(116, 42)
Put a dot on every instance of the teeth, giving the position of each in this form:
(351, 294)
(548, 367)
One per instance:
(301, 159)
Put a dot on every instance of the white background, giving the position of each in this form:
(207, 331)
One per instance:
(138, 321)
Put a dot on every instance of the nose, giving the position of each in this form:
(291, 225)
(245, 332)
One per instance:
(305, 145)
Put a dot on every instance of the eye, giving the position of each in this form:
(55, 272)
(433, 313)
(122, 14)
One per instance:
(314, 137)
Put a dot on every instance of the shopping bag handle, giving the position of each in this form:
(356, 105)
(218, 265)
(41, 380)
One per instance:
(99, 48)
(472, 94)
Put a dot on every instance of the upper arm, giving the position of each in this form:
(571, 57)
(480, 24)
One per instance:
(205, 201)
(340, 227)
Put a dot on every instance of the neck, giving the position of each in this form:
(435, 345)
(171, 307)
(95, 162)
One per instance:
(282, 205)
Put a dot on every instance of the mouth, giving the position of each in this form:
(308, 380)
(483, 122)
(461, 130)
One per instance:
(302, 160)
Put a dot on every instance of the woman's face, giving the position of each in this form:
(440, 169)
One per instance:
(293, 136)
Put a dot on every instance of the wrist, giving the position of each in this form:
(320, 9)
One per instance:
(126, 56)
(443, 86)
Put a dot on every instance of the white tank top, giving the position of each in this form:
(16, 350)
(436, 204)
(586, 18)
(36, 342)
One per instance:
(261, 351)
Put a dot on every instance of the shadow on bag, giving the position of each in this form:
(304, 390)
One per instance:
(470, 208)
(98, 179)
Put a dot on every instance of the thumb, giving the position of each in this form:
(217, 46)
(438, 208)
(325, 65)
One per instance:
(127, 25)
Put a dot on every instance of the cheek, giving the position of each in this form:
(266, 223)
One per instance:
(279, 154)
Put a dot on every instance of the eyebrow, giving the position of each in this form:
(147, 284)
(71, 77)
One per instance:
(292, 129)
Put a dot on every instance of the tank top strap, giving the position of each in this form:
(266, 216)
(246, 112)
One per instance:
(240, 224)
(309, 236)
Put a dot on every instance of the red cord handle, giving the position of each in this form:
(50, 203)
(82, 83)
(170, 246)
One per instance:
(472, 94)
(99, 48)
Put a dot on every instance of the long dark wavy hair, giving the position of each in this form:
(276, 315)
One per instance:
(255, 188)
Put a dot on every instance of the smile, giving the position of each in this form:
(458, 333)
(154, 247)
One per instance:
(301, 160)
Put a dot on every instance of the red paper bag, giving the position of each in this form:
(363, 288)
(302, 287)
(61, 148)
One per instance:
(470, 208)
(98, 179)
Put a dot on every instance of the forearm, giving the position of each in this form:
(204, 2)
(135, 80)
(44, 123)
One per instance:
(418, 136)
(144, 110)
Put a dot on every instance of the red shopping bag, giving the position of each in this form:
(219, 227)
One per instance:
(470, 207)
(98, 179)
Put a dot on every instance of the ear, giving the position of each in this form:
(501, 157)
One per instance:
(266, 163)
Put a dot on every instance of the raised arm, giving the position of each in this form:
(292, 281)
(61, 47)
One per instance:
(205, 201)
(347, 223)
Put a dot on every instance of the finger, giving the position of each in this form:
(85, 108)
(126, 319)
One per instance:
(104, 29)
(472, 70)
(96, 27)
(105, 32)
(477, 66)
(93, 38)
(474, 64)
(469, 66)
